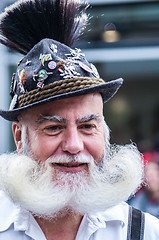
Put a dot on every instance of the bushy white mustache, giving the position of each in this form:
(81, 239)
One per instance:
(31, 185)
(69, 159)
(24, 180)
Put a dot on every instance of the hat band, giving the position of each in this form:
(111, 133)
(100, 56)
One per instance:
(57, 88)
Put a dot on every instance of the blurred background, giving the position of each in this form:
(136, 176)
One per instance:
(122, 40)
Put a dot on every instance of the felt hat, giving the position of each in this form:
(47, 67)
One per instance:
(50, 69)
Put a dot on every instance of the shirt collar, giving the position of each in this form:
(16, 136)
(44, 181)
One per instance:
(92, 222)
(14, 214)
(116, 213)
(21, 219)
(11, 213)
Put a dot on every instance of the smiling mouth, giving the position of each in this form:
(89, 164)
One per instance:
(70, 164)
(71, 167)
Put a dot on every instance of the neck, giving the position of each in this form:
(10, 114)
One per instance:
(61, 227)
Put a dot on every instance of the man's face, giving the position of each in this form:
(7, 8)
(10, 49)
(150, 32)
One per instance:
(70, 137)
(71, 126)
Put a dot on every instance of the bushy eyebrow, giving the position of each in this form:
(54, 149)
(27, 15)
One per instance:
(59, 119)
(88, 118)
(54, 118)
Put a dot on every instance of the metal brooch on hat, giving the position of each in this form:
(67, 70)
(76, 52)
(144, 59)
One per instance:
(41, 77)
(68, 70)
(76, 56)
(52, 65)
(43, 74)
(13, 85)
(22, 79)
(95, 72)
(53, 47)
(28, 63)
(45, 57)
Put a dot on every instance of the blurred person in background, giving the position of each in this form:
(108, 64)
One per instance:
(147, 199)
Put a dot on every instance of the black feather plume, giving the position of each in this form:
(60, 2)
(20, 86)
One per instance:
(26, 22)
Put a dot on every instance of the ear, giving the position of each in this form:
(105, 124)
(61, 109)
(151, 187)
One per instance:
(17, 133)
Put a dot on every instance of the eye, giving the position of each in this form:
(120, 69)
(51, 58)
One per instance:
(87, 128)
(53, 129)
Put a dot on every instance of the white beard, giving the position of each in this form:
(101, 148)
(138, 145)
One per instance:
(31, 184)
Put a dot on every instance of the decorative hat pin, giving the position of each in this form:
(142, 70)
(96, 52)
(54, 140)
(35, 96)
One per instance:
(50, 68)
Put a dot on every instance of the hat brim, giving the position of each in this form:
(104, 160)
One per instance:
(107, 91)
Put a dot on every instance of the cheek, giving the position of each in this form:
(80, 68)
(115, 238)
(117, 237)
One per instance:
(43, 147)
(95, 146)
(48, 148)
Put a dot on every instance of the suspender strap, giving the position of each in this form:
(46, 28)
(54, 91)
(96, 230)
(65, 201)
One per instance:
(136, 222)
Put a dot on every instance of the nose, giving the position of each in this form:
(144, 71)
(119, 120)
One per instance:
(72, 142)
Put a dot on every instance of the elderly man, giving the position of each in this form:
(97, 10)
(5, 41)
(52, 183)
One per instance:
(65, 181)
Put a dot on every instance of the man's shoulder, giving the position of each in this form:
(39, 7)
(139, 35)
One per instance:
(7, 209)
(5, 201)
(120, 212)
(151, 224)
(151, 227)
